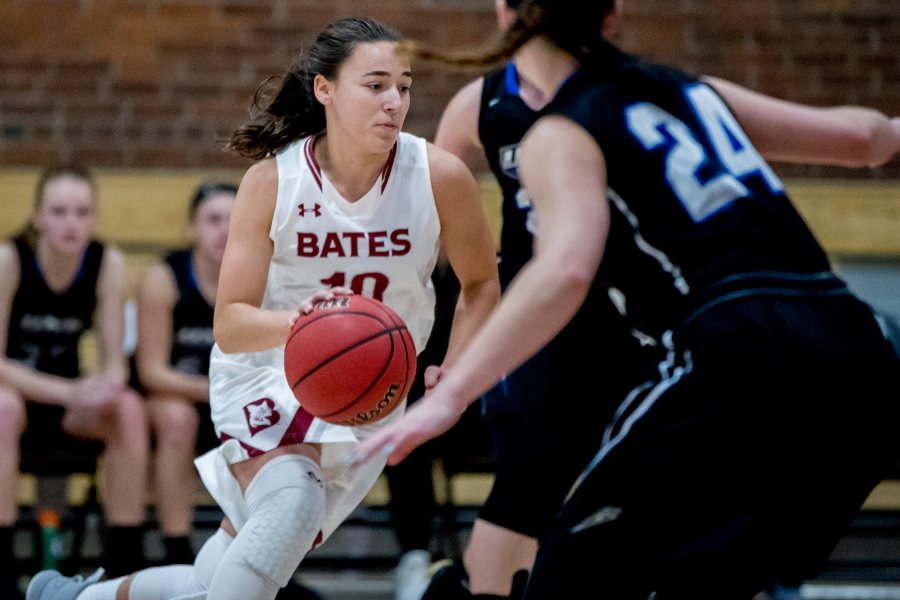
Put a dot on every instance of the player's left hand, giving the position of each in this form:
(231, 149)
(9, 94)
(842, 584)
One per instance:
(306, 306)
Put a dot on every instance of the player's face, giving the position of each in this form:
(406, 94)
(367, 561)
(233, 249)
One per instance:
(369, 98)
(66, 216)
(210, 224)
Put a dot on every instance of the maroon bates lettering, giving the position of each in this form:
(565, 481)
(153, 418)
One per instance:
(354, 243)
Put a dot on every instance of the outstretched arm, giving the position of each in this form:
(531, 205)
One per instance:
(783, 131)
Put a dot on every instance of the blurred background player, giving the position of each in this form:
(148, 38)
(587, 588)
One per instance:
(59, 282)
(175, 337)
(483, 124)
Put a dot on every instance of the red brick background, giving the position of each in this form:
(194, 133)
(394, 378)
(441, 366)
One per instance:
(154, 83)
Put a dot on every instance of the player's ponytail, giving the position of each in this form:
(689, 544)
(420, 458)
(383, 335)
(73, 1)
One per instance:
(528, 23)
(576, 27)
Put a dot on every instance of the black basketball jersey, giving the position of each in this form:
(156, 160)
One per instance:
(697, 214)
(45, 327)
(504, 119)
(502, 122)
(192, 318)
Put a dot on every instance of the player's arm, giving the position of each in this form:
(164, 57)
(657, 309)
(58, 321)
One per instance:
(158, 296)
(110, 317)
(565, 174)
(850, 136)
(457, 129)
(240, 324)
(467, 241)
(36, 386)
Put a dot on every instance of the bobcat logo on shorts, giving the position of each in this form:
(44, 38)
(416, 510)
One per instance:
(261, 415)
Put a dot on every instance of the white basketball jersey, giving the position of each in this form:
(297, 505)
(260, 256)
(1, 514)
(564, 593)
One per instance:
(383, 245)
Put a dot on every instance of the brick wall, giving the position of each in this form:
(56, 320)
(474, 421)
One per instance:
(154, 83)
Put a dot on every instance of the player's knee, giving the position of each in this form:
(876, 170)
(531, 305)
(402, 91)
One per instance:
(175, 421)
(129, 423)
(287, 509)
(174, 581)
(210, 556)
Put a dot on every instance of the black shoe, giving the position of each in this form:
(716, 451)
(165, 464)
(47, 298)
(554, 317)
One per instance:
(297, 591)
(448, 582)
(9, 587)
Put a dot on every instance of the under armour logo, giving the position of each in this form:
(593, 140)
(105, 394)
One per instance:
(316, 210)
(261, 415)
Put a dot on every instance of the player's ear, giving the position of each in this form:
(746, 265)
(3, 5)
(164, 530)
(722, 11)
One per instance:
(323, 89)
(613, 21)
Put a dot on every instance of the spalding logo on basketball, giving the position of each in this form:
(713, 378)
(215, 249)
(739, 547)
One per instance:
(350, 361)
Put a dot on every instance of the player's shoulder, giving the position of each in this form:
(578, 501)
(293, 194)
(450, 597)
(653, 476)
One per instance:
(262, 173)
(159, 282)
(465, 104)
(9, 266)
(259, 187)
(7, 250)
(444, 165)
(9, 256)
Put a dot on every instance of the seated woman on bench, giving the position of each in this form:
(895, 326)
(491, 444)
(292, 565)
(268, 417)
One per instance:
(59, 282)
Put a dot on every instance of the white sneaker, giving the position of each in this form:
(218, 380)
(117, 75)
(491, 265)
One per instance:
(411, 575)
(53, 585)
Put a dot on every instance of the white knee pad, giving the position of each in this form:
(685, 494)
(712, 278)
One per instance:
(286, 502)
(160, 583)
(210, 556)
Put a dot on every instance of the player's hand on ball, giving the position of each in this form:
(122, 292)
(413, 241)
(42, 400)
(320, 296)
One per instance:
(322, 295)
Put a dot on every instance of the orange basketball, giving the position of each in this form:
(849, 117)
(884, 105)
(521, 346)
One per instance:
(350, 361)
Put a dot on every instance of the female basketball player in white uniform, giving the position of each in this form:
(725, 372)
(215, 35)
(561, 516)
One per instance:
(339, 199)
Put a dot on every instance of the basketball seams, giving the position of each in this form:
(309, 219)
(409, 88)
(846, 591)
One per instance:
(357, 344)
(375, 379)
(308, 320)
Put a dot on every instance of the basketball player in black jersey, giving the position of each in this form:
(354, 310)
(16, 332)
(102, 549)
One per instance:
(175, 337)
(769, 373)
(57, 284)
(486, 121)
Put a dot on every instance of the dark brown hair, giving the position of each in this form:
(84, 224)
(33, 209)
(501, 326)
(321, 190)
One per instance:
(206, 190)
(284, 108)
